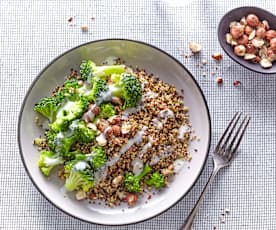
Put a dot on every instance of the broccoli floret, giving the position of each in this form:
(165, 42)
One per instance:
(48, 107)
(61, 142)
(99, 86)
(86, 69)
(128, 88)
(132, 182)
(68, 112)
(50, 138)
(106, 71)
(81, 132)
(106, 110)
(71, 83)
(47, 161)
(79, 176)
(157, 180)
(97, 158)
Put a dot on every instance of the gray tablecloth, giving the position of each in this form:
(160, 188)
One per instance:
(34, 32)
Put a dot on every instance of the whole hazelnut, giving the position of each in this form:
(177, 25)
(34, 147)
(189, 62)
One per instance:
(250, 48)
(237, 31)
(252, 20)
(260, 33)
(240, 50)
(273, 44)
(116, 129)
(270, 34)
(243, 40)
(248, 30)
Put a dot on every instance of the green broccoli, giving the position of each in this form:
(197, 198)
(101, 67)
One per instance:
(79, 176)
(71, 83)
(99, 86)
(132, 182)
(68, 112)
(97, 158)
(128, 88)
(81, 132)
(61, 142)
(104, 72)
(47, 161)
(157, 180)
(86, 69)
(106, 110)
(48, 107)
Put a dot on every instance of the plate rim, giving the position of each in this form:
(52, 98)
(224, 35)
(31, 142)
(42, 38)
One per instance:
(38, 77)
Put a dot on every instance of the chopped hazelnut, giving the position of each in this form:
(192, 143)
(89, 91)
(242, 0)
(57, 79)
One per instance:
(195, 47)
(217, 56)
(219, 80)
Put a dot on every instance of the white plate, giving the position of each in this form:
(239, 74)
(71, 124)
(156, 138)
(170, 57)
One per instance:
(154, 61)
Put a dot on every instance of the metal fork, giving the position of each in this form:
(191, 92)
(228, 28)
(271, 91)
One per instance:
(222, 157)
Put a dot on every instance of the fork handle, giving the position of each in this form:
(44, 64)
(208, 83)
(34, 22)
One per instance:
(189, 221)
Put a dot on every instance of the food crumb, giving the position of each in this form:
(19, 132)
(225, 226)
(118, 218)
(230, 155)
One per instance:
(219, 80)
(236, 83)
(217, 56)
(70, 19)
(84, 28)
(227, 210)
(203, 61)
(195, 47)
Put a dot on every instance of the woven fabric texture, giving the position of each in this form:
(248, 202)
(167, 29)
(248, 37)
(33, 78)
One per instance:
(33, 32)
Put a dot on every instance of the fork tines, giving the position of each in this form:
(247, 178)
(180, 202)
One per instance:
(232, 136)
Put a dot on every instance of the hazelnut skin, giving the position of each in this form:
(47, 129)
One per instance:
(252, 20)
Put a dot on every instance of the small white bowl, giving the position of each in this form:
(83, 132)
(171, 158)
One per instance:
(154, 61)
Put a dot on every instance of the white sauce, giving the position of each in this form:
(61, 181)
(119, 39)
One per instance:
(158, 124)
(166, 113)
(146, 147)
(150, 94)
(101, 173)
(129, 111)
(181, 132)
(67, 107)
(137, 165)
(80, 166)
(50, 161)
(135, 140)
(73, 125)
(154, 160)
(104, 96)
(59, 137)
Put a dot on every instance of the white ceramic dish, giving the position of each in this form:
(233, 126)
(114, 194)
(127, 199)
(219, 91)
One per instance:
(154, 61)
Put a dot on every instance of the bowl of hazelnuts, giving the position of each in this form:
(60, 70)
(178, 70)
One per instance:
(248, 36)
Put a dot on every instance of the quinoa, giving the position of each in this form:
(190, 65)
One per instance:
(158, 96)
(161, 121)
